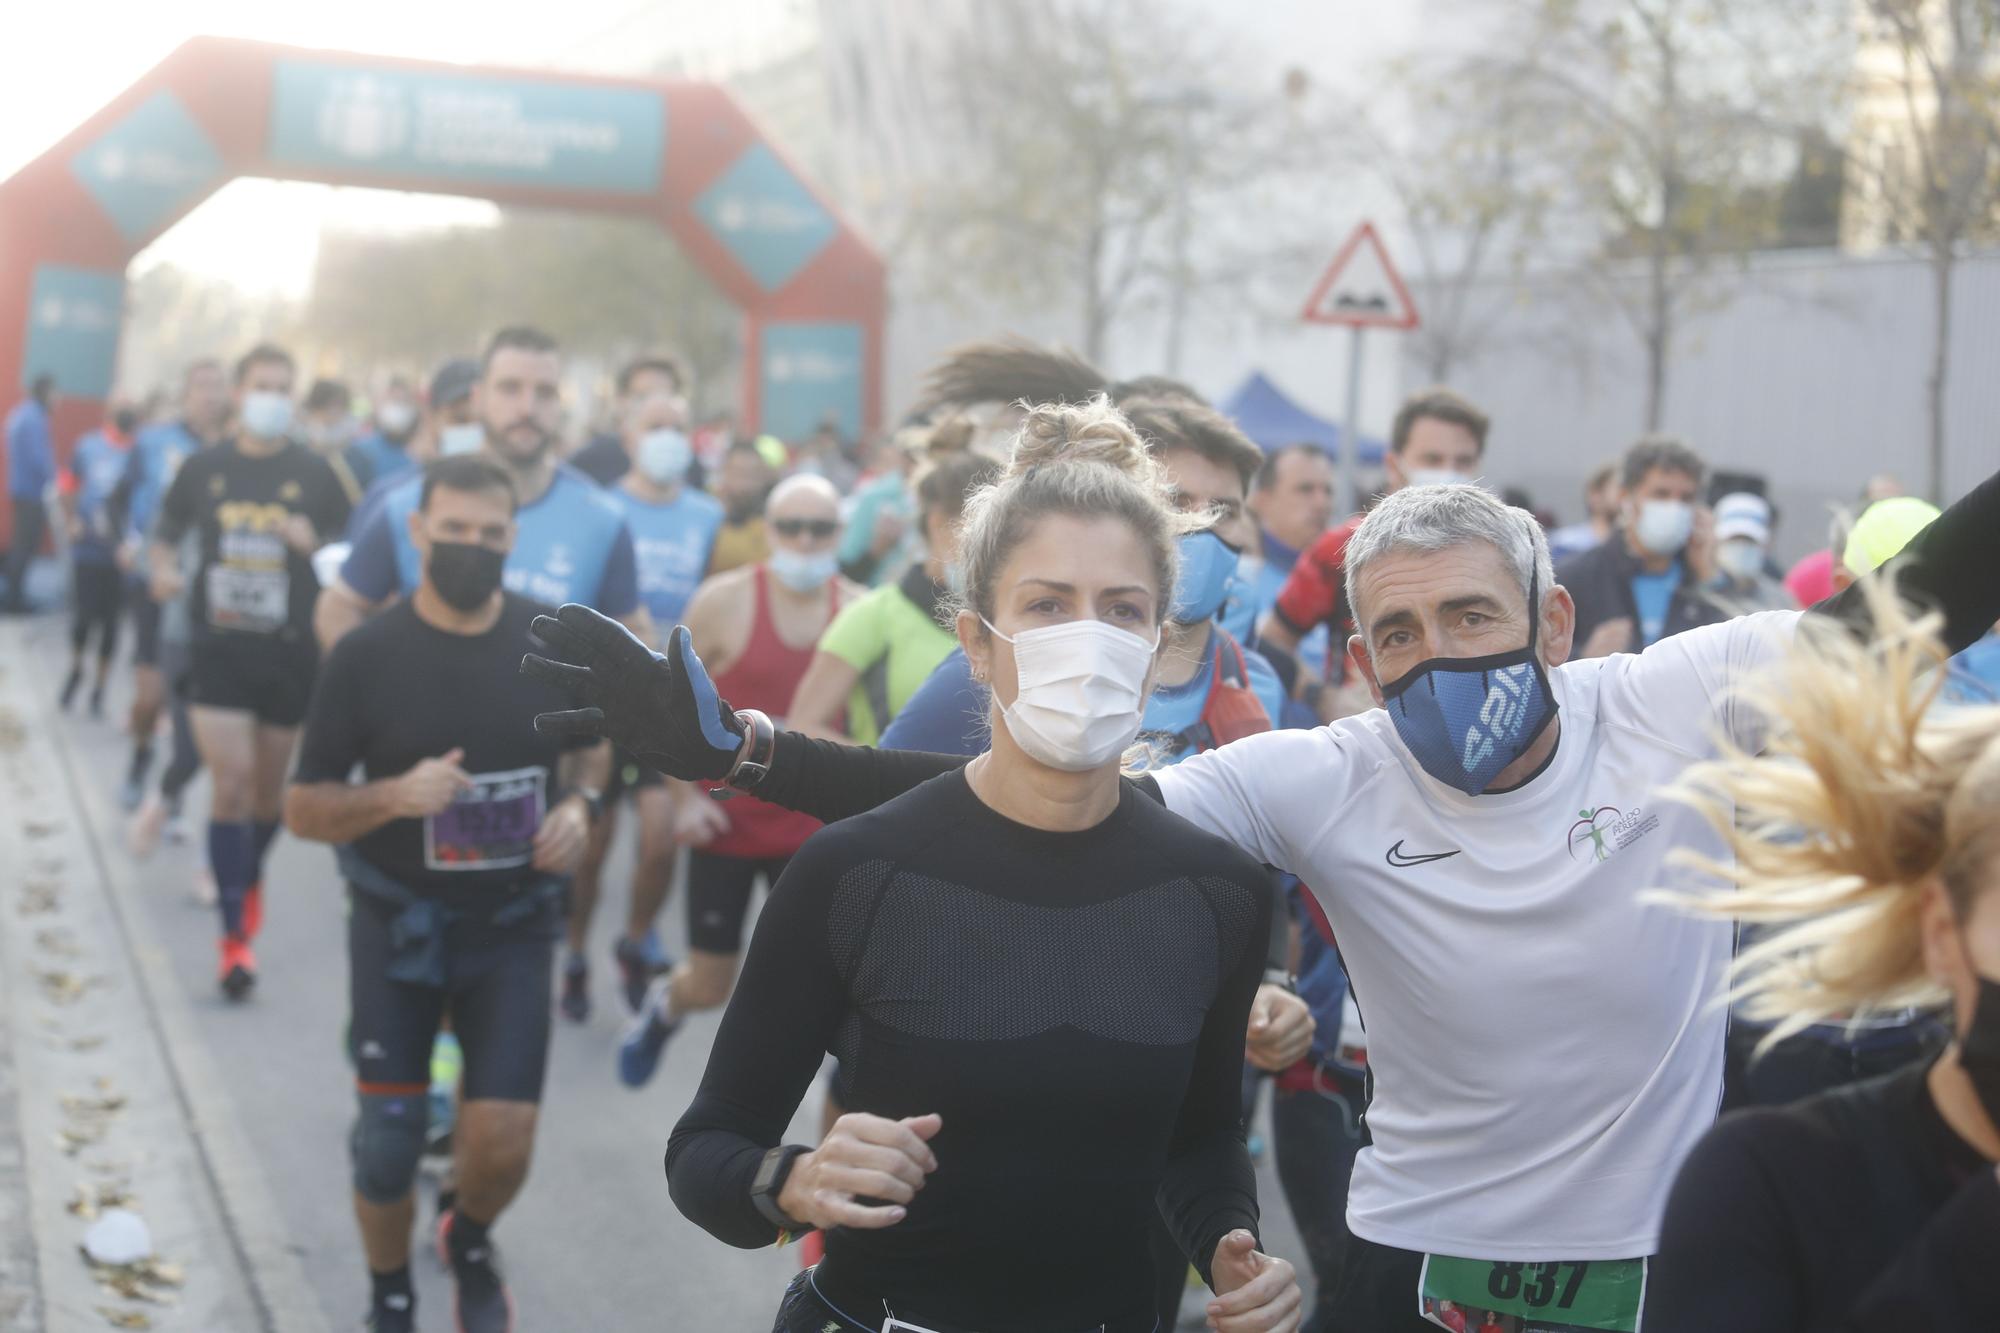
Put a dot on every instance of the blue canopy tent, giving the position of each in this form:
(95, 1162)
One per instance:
(1263, 412)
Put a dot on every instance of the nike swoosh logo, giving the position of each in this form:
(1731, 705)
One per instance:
(1396, 856)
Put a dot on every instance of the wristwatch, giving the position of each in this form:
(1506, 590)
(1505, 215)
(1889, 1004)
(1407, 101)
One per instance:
(593, 801)
(753, 765)
(1282, 979)
(772, 1173)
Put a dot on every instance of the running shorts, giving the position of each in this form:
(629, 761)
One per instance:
(498, 994)
(145, 625)
(272, 681)
(718, 897)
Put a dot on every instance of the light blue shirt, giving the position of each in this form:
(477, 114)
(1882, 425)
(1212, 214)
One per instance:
(1653, 594)
(672, 542)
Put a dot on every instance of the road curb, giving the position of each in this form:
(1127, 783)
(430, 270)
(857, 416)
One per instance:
(256, 1228)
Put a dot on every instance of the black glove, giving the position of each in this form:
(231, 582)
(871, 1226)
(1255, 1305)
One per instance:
(660, 707)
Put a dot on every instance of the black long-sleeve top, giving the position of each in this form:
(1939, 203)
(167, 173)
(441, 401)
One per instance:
(1858, 1209)
(1072, 1004)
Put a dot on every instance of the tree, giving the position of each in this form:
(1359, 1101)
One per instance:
(1670, 123)
(1472, 202)
(1103, 130)
(605, 287)
(1928, 150)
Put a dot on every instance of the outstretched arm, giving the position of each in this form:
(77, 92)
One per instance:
(664, 708)
(1952, 566)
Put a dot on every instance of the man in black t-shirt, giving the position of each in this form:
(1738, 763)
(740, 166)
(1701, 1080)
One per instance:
(259, 505)
(456, 845)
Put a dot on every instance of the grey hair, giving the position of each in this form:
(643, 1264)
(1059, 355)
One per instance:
(1434, 518)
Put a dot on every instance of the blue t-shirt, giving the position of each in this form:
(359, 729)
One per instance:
(672, 543)
(373, 459)
(1973, 676)
(156, 457)
(98, 466)
(31, 455)
(570, 545)
(1653, 594)
(948, 713)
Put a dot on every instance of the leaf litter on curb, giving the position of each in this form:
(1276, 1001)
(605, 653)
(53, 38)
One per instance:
(153, 1281)
(61, 986)
(89, 1117)
(87, 1200)
(125, 1318)
(58, 941)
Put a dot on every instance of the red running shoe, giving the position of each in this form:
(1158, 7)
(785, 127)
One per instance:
(238, 972)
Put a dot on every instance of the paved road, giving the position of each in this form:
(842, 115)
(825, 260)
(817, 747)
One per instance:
(593, 1243)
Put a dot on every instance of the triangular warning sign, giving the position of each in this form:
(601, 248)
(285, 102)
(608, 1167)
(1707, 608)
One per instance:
(1361, 288)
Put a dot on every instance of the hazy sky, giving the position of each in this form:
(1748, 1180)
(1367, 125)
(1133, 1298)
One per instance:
(62, 61)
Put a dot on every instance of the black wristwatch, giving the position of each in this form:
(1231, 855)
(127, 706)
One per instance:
(593, 800)
(772, 1173)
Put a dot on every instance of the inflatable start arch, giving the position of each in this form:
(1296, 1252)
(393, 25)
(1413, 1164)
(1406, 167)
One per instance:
(811, 291)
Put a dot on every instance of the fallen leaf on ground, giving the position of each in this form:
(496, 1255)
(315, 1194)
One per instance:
(58, 941)
(125, 1318)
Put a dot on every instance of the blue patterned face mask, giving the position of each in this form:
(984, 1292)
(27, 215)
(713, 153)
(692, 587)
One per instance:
(1466, 718)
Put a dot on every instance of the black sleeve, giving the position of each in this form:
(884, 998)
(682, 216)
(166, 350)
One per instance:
(1209, 1187)
(831, 781)
(1953, 566)
(1943, 1277)
(779, 1023)
(1725, 1263)
(332, 742)
(177, 507)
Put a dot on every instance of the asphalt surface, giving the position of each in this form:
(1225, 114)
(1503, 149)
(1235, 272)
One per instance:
(593, 1242)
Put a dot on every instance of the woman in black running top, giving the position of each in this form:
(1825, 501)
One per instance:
(1870, 824)
(1036, 978)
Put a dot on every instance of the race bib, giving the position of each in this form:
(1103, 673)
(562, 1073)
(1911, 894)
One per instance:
(258, 601)
(492, 825)
(1490, 1296)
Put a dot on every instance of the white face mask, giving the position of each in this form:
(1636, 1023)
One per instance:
(396, 418)
(1664, 526)
(1741, 559)
(266, 416)
(1080, 692)
(663, 456)
(801, 572)
(467, 437)
(1437, 476)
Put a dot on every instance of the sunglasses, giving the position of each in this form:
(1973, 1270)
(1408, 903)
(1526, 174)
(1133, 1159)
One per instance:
(819, 529)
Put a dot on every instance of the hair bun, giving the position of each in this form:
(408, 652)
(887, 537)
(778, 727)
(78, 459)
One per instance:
(1093, 432)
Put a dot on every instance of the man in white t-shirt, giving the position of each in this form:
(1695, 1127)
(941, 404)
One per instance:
(1545, 1044)
(1533, 1098)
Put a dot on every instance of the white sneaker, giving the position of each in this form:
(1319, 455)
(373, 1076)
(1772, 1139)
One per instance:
(203, 888)
(175, 830)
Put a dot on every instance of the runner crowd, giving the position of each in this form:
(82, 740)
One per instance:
(1105, 782)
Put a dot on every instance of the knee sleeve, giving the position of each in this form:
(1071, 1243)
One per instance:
(386, 1143)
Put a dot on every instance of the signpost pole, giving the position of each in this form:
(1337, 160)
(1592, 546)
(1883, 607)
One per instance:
(1349, 498)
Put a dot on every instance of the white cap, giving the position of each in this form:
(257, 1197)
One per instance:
(1741, 514)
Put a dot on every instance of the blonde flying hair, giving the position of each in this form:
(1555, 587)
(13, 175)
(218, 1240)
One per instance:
(1863, 795)
(1085, 461)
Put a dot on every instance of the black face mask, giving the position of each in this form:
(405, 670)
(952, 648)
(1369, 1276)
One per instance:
(126, 422)
(465, 574)
(1979, 1048)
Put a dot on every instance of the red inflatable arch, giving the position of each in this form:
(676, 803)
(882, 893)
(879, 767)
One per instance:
(811, 291)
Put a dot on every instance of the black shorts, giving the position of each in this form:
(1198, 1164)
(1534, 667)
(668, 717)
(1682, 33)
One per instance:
(718, 897)
(271, 680)
(629, 775)
(145, 625)
(96, 592)
(497, 993)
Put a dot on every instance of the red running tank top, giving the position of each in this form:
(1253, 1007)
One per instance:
(765, 677)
